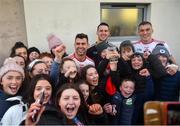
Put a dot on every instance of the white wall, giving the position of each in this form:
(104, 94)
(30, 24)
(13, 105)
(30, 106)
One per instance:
(69, 17)
(65, 18)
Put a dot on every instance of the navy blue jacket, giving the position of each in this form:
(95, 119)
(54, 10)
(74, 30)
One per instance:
(168, 88)
(5, 105)
(129, 110)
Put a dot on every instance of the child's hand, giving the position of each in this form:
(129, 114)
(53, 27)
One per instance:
(59, 51)
(114, 111)
(72, 71)
(144, 72)
(34, 106)
(113, 66)
(111, 54)
(107, 108)
(95, 109)
(171, 69)
(125, 57)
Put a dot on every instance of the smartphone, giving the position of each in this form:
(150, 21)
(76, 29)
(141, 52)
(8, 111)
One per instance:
(173, 114)
(113, 59)
(40, 100)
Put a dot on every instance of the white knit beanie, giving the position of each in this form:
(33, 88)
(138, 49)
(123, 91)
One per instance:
(10, 65)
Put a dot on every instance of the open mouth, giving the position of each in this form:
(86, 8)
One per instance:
(95, 81)
(13, 89)
(70, 109)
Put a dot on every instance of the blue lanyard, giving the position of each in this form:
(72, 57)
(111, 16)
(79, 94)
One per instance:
(76, 120)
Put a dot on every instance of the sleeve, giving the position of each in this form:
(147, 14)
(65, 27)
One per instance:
(149, 91)
(54, 73)
(157, 70)
(8, 117)
(102, 67)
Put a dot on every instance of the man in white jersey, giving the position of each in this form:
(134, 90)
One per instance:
(147, 43)
(81, 45)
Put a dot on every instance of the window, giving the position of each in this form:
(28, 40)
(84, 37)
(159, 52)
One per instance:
(123, 19)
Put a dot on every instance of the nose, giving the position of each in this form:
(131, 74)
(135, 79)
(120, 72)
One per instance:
(71, 101)
(14, 80)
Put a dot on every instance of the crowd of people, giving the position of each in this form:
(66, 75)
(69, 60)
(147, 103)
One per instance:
(95, 85)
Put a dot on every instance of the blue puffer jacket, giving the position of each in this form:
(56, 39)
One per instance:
(168, 88)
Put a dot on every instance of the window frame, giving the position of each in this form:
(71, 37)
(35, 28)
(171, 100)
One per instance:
(143, 6)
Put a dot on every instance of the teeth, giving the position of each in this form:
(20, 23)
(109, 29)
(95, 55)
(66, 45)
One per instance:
(70, 110)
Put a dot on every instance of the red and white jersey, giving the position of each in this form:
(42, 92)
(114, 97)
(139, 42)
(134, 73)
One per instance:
(81, 64)
(141, 47)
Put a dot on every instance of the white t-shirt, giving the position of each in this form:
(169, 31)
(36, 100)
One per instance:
(81, 64)
(141, 47)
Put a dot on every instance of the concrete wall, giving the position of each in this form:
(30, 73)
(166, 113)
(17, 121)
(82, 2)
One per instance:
(12, 26)
(69, 17)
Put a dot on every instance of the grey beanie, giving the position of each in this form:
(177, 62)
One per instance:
(101, 46)
(160, 49)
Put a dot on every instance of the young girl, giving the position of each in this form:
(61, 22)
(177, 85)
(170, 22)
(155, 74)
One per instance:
(19, 49)
(71, 102)
(17, 113)
(84, 87)
(11, 79)
(47, 58)
(37, 67)
(94, 110)
(68, 72)
(126, 50)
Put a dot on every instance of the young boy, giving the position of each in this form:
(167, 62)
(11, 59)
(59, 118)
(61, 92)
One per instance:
(126, 49)
(129, 105)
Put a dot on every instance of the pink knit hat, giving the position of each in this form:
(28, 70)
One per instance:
(10, 65)
(53, 41)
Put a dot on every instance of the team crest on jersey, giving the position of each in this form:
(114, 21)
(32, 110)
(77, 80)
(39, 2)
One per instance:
(129, 101)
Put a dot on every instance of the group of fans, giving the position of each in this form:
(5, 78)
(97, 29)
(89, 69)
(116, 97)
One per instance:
(96, 85)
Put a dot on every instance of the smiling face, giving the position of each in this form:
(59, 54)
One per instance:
(22, 52)
(48, 61)
(81, 46)
(103, 32)
(43, 85)
(137, 62)
(11, 82)
(69, 103)
(33, 55)
(145, 32)
(92, 76)
(127, 88)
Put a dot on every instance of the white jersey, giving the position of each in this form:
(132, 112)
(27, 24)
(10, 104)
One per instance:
(141, 48)
(81, 64)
